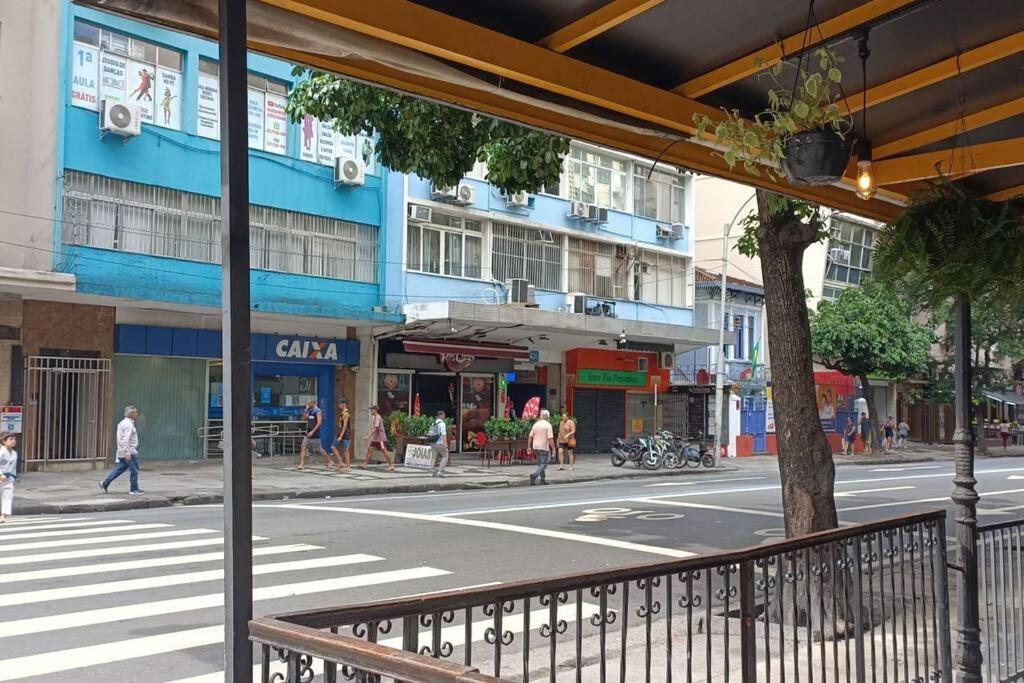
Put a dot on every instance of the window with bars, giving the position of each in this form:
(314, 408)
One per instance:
(597, 268)
(850, 252)
(660, 278)
(522, 252)
(449, 245)
(114, 214)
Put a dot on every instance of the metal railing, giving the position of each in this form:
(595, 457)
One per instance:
(867, 602)
(1001, 599)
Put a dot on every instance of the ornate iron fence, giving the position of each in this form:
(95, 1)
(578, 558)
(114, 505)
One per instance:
(1001, 599)
(867, 602)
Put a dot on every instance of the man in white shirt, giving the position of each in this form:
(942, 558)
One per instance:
(439, 442)
(127, 457)
(542, 441)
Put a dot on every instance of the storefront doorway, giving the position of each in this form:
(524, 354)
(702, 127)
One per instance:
(600, 418)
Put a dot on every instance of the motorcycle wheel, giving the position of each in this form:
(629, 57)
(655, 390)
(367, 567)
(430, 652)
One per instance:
(618, 460)
(708, 460)
(671, 460)
(652, 460)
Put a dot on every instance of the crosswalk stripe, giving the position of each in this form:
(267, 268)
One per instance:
(187, 578)
(38, 545)
(81, 532)
(105, 552)
(53, 523)
(451, 634)
(47, 624)
(131, 565)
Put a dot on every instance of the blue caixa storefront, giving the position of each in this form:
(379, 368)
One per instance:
(175, 377)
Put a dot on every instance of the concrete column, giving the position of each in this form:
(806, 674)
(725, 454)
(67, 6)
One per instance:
(365, 391)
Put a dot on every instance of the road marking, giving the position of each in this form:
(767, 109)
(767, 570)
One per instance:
(844, 494)
(32, 525)
(131, 565)
(187, 578)
(905, 469)
(455, 635)
(81, 532)
(35, 545)
(1000, 511)
(703, 481)
(1015, 476)
(943, 499)
(706, 506)
(106, 552)
(497, 526)
(605, 514)
(107, 615)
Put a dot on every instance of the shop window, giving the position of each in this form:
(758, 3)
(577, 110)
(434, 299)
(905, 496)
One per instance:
(641, 364)
(113, 214)
(110, 66)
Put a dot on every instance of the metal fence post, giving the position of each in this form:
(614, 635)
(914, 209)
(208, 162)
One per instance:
(939, 571)
(968, 641)
(858, 609)
(748, 623)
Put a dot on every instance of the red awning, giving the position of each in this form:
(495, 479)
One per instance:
(466, 349)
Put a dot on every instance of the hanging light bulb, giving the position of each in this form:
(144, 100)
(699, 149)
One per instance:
(866, 186)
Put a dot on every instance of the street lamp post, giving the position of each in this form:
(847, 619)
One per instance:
(720, 365)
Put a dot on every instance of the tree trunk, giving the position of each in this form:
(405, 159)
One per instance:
(876, 419)
(805, 456)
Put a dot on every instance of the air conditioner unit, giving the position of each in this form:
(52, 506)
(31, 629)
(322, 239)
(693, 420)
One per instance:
(644, 267)
(443, 192)
(600, 308)
(518, 291)
(531, 295)
(120, 119)
(597, 214)
(349, 172)
(419, 214)
(666, 360)
(664, 232)
(839, 255)
(678, 230)
(576, 302)
(517, 200)
(464, 195)
(579, 210)
(546, 236)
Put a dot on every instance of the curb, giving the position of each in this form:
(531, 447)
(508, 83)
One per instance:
(883, 461)
(142, 503)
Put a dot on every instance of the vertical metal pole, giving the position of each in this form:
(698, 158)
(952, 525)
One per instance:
(234, 187)
(748, 623)
(720, 365)
(967, 659)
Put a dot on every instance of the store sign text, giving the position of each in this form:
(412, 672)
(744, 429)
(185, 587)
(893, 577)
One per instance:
(612, 378)
(456, 362)
(306, 349)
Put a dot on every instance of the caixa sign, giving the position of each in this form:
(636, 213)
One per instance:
(311, 350)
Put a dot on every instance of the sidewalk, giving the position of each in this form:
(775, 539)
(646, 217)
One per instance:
(202, 482)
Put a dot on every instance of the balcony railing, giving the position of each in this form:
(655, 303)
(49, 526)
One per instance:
(1001, 599)
(866, 602)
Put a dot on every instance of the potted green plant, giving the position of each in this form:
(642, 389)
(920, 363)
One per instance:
(404, 429)
(803, 130)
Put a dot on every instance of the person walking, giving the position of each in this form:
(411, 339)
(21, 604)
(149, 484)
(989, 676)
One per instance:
(378, 439)
(849, 437)
(439, 435)
(889, 430)
(311, 443)
(342, 445)
(8, 473)
(127, 457)
(567, 440)
(1004, 432)
(542, 441)
(865, 432)
(902, 433)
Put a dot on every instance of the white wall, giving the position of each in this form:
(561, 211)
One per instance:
(715, 204)
(29, 100)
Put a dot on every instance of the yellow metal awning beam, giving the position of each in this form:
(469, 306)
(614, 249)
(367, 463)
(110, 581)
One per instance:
(949, 129)
(951, 162)
(604, 19)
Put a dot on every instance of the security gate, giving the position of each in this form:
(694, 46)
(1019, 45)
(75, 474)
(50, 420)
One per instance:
(68, 410)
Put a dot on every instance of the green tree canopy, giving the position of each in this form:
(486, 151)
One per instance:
(868, 331)
(432, 140)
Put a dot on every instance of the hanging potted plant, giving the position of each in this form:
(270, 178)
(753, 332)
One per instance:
(803, 130)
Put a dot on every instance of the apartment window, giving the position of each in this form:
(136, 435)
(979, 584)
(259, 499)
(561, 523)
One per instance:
(743, 325)
(117, 68)
(660, 279)
(522, 252)
(113, 214)
(598, 178)
(448, 245)
(267, 98)
(660, 197)
(597, 268)
(850, 252)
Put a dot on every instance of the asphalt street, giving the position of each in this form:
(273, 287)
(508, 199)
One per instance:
(136, 595)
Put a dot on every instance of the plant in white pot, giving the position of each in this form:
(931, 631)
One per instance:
(803, 130)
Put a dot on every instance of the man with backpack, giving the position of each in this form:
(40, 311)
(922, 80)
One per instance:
(439, 435)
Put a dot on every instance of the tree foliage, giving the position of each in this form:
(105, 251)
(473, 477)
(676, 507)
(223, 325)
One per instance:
(780, 206)
(432, 140)
(868, 331)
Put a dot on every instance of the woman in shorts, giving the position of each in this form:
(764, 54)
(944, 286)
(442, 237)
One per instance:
(378, 439)
(566, 441)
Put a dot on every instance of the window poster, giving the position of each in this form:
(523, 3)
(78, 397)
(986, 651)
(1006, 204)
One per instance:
(84, 88)
(275, 124)
(256, 116)
(366, 151)
(308, 144)
(141, 84)
(344, 146)
(113, 77)
(168, 83)
(325, 144)
(208, 98)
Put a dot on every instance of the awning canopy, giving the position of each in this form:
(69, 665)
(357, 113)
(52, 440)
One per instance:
(443, 346)
(944, 91)
(1003, 396)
